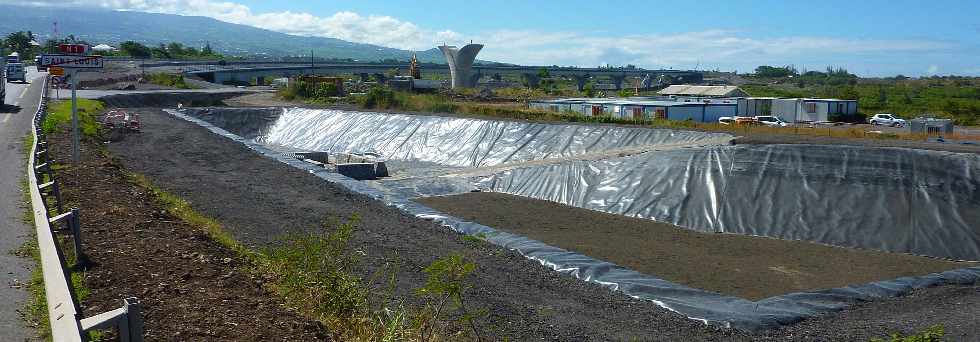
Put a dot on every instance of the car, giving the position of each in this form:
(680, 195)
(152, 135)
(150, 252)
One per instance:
(746, 120)
(887, 120)
(771, 121)
(15, 72)
(726, 120)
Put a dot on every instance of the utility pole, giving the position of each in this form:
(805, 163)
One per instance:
(75, 140)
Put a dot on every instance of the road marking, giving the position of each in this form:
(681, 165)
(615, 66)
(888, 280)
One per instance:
(22, 93)
(5, 118)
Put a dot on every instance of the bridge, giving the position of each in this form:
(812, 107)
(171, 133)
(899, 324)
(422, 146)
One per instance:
(244, 71)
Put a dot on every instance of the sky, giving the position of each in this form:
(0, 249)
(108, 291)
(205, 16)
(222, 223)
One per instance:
(867, 37)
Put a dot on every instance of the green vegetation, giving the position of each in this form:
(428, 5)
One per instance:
(318, 93)
(173, 50)
(952, 97)
(20, 42)
(315, 273)
(59, 115)
(169, 80)
(932, 334)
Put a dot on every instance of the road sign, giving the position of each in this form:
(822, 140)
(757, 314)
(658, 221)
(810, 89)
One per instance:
(56, 71)
(72, 61)
(73, 49)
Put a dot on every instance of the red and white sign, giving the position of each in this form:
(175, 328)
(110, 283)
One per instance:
(73, 49)
(72, 61)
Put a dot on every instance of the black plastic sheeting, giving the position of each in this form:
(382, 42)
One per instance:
(711, 308)
(889, 199)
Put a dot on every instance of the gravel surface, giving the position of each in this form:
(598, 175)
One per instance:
(821, 140)
(258, 199)
(743, 266)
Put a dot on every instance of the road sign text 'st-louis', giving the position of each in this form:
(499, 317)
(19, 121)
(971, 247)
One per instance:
(72, 61)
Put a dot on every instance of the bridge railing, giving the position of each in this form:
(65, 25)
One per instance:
(48, 210)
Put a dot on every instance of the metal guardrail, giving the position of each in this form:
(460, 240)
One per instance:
(66, 322)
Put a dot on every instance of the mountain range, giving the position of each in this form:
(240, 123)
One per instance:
(98, 26)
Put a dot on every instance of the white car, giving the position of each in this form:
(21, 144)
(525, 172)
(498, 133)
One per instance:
(726, 120)
(887, 120)
(771, 121)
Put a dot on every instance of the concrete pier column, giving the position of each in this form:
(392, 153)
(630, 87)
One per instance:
(460, 62)
(532, 79)
(618, 81)
(581, 80)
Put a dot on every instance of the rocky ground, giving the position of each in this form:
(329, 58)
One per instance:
(743, 266)
(191, 288)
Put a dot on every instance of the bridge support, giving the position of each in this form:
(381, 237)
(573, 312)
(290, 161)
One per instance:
(460, 62)
(581, 80)
(618, 81)
(474, 79)
(364, 77)
(532, 79)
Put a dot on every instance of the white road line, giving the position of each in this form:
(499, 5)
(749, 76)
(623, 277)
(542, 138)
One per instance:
(22, 93)
(5, 118)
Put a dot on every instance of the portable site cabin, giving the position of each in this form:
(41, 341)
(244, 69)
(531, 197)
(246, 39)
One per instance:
(641, 109)
(812, 110)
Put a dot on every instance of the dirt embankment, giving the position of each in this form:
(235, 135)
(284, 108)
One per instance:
(743, 266)
(191, 288)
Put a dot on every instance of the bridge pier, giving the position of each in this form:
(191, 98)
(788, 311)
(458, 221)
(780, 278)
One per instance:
(581, 80)
(474, 79)
(618, 80)
(364, 77)
(532, 79)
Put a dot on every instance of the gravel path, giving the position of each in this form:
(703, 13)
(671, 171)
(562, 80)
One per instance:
(258, 199)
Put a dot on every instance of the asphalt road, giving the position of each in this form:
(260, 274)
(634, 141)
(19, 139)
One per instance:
(15, 121)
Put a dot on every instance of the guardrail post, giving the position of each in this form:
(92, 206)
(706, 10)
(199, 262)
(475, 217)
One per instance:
(133, 321)
(74, 223)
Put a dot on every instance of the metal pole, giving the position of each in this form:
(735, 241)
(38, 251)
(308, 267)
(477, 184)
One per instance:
(75, 148)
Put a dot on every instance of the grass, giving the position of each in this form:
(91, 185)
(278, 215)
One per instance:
(314, 272)
(932, 334)
(169, 80)
(59, 116)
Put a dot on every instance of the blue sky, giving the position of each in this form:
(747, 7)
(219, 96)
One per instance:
(871, 38)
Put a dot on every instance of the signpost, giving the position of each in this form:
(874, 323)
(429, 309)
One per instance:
(72, 60)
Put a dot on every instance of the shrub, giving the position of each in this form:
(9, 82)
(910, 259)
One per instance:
(59, 115)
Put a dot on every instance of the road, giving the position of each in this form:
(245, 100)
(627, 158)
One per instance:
(15, 122)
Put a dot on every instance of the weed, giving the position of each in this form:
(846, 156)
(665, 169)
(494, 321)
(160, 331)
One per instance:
(445, 287)
(932, 334)
(59, 115)
(169, 80)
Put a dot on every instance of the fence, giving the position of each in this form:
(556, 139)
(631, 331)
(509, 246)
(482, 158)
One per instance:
(67, 323)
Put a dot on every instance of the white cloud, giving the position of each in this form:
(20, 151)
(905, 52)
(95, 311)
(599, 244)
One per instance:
(708, 48)
(933, 69)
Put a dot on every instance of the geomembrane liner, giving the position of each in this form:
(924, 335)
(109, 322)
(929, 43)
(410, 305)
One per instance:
(801, 192)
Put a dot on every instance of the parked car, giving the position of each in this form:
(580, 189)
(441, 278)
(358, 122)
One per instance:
(771, 121)
(726, 120)
(746, 120)
(887, 120)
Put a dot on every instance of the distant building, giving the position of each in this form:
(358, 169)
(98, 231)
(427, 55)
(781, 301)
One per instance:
(812, 110)
(103, 48)
(703, 91)
(640, 108)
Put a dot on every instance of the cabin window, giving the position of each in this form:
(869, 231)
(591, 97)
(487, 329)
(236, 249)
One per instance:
(810, 107)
